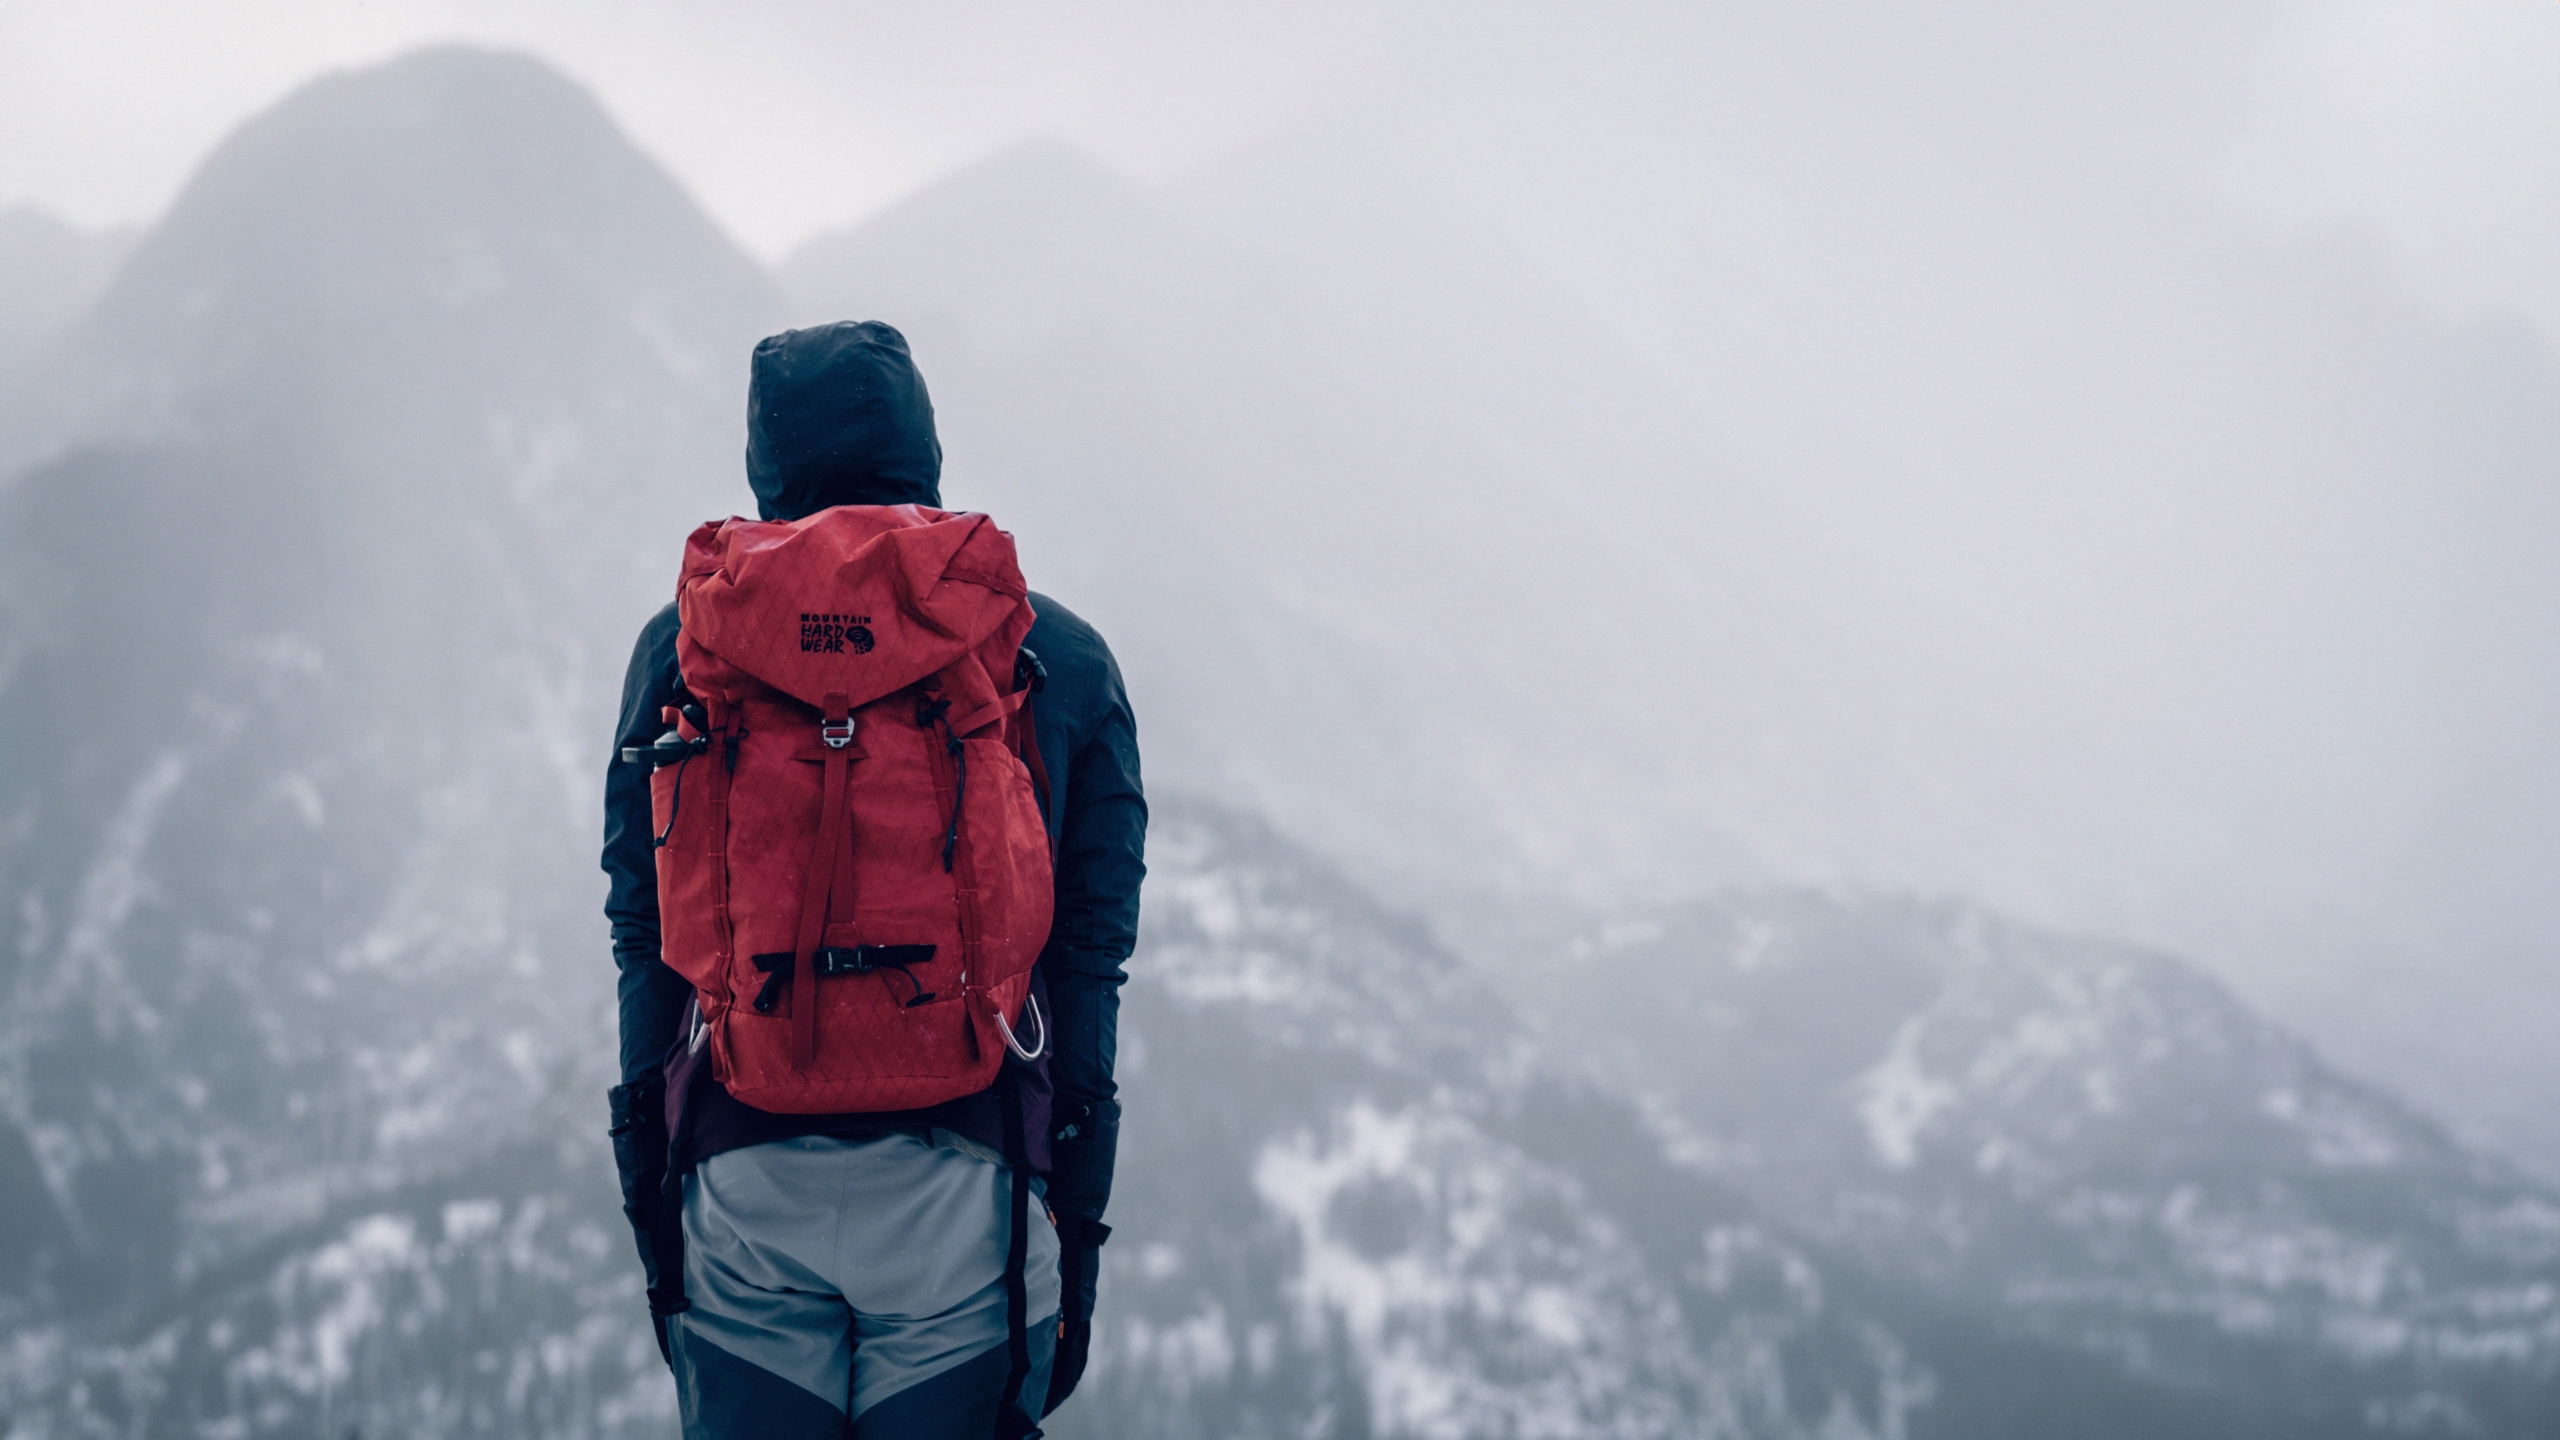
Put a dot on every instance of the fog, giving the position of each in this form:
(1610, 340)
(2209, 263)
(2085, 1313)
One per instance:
(2042, 521)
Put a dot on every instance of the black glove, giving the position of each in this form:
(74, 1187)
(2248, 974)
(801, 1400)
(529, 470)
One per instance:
(1084, 1141)
(640, 1152)
(1079, 1266)
(1082, 1148)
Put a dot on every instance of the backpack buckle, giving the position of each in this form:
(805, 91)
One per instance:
(836, 739)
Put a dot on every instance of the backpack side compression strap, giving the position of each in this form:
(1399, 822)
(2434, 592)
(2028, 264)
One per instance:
(1012, 1421)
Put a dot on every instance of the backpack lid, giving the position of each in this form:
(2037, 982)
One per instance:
(858, 600)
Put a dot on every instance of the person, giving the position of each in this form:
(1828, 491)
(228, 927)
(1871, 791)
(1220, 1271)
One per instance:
(832, 1274)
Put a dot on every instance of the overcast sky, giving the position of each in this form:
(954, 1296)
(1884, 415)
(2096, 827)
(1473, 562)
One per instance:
(2437, 124)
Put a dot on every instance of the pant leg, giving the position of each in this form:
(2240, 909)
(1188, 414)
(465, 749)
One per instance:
(846, 1277)
(765, 1352)
(720, 1396)
(960, 1403)
(921, 1258)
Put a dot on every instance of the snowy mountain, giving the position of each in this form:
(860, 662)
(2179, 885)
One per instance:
(335, 516)
(1849, 1167)
(361, 475)
(2098, 1142)
(1363, 1205)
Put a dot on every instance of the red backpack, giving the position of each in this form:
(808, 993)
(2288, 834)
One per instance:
(853, 870)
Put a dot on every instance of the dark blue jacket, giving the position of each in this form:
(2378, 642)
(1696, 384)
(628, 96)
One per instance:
(838, 416)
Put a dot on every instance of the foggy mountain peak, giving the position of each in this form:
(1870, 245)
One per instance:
(454, 228)
(1035, 218)
(49, 272)
(1467, 508)
(467, 178)
(1035, 253)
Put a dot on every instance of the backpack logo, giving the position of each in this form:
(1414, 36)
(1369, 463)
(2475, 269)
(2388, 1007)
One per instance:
(834, 634)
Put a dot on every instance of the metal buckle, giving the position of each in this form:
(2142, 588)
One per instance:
(836, 740)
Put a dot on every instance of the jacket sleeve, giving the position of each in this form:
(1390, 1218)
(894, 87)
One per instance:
(1101, 852)
(652, 996)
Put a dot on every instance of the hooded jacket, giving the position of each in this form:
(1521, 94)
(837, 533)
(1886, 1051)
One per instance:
(838, 415)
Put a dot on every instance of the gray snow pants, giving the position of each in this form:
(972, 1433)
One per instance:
(854, 1287)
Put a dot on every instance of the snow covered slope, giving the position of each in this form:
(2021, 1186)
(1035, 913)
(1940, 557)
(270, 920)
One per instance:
(2097, 1141)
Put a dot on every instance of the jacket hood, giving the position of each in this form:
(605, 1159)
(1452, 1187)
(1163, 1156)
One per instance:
(838, 415)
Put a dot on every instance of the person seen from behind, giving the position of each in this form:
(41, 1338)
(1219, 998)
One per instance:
(875, 835)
